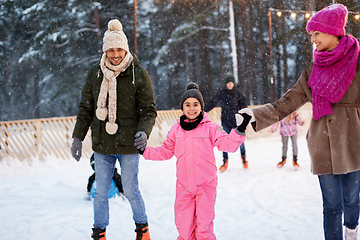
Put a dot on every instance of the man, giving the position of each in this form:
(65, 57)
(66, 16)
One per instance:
(117, 101)
(231, 99)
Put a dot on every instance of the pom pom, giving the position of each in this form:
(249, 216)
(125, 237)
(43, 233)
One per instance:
(101, 113)
(111, 128)
(115, 25)
(192, 85)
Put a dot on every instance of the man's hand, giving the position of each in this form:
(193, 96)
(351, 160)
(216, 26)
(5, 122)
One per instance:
(140, 141)
(76, 148)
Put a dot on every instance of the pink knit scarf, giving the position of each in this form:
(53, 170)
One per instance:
(332, 75)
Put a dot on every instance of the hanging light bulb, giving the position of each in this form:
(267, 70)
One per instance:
(307, 15)
(293, 15)
(278, 13)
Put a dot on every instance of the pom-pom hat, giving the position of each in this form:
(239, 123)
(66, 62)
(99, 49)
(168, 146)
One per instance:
(114, 37)
(330, 20)
(229, 78)
(192, 91)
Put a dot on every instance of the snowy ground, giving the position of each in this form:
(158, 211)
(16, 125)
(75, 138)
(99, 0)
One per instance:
(44, 200)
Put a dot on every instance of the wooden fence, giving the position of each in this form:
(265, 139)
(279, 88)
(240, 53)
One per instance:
(39, 138)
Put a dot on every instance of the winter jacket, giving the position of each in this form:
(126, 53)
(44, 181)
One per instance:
(231, 101)
(136, 110)
(333, 140)
(288, 128)
(194, 151)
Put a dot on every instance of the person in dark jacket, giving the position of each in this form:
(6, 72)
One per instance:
(231, 100)
(117, 100)
(116, 177)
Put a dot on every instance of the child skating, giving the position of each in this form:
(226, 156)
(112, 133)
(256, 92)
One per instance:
(192, 140)
(288, 129)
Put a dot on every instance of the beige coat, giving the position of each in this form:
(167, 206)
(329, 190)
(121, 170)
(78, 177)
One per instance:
(334, 140)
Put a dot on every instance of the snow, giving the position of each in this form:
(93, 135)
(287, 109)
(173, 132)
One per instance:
(45, 199)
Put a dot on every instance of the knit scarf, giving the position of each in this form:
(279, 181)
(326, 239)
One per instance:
(190, 125)
(108, 88)
(332, 75)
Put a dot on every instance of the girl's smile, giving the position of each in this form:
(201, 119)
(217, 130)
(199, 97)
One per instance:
(191, 108)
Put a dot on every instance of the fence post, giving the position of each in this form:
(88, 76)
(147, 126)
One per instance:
(38, 139)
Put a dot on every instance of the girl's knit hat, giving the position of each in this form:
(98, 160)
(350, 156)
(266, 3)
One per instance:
(330, 20)
(114, 37)
(192, 91)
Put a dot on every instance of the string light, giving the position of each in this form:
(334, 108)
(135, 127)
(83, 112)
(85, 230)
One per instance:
(293, 15)
(307, 15)
(278, 13)
(357, 17)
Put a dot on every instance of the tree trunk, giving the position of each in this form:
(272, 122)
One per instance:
(252, 55)
(206, 75)
(285, 53)
(245, 36)
(264, 71)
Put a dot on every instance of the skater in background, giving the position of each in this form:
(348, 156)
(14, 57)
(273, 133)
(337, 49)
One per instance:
(192, 140)
(116, 178)
(288, 129)
(231, 100)
(331, 82)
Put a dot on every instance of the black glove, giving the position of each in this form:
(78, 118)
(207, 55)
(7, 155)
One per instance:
(140, 141)
(246, 119)
(76, 148)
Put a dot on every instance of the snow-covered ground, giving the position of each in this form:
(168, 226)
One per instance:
(44, 200)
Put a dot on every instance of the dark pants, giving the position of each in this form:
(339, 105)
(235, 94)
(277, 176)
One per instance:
(242, 146)
(340, 195)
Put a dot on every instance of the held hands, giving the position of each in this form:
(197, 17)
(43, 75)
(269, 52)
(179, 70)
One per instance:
(140, 141)
(243, 117)
(76, 148)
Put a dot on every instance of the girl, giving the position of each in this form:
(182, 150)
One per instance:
(192, 140)
(332, 84)
(288, 128)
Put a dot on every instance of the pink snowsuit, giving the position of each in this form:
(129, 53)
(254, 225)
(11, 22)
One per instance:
(196, 173)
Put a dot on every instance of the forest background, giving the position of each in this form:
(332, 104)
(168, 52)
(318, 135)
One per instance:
(47, 48)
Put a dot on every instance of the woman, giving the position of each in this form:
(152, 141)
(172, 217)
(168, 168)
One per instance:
(332, 84)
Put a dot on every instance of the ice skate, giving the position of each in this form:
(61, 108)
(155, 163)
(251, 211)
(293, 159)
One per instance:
(282, 163)
(224, 166)
(142, 232)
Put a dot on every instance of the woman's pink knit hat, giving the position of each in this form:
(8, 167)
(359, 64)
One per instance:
(330, 20)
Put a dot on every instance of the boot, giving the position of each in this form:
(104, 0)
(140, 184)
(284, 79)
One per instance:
(350, 234)
(296, 165)
(142, 231)
(98, 234)
(245, 163)
(282, 163)
(224, 166)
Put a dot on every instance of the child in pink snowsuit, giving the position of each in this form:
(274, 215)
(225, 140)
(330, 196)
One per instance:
(192, 140)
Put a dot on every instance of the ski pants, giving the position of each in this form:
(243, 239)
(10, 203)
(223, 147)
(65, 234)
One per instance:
(285, 140)
(194, 211)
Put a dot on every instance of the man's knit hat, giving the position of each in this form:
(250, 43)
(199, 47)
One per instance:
(229, 78)
(114, 37)
(330, 20)
(192, 91)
